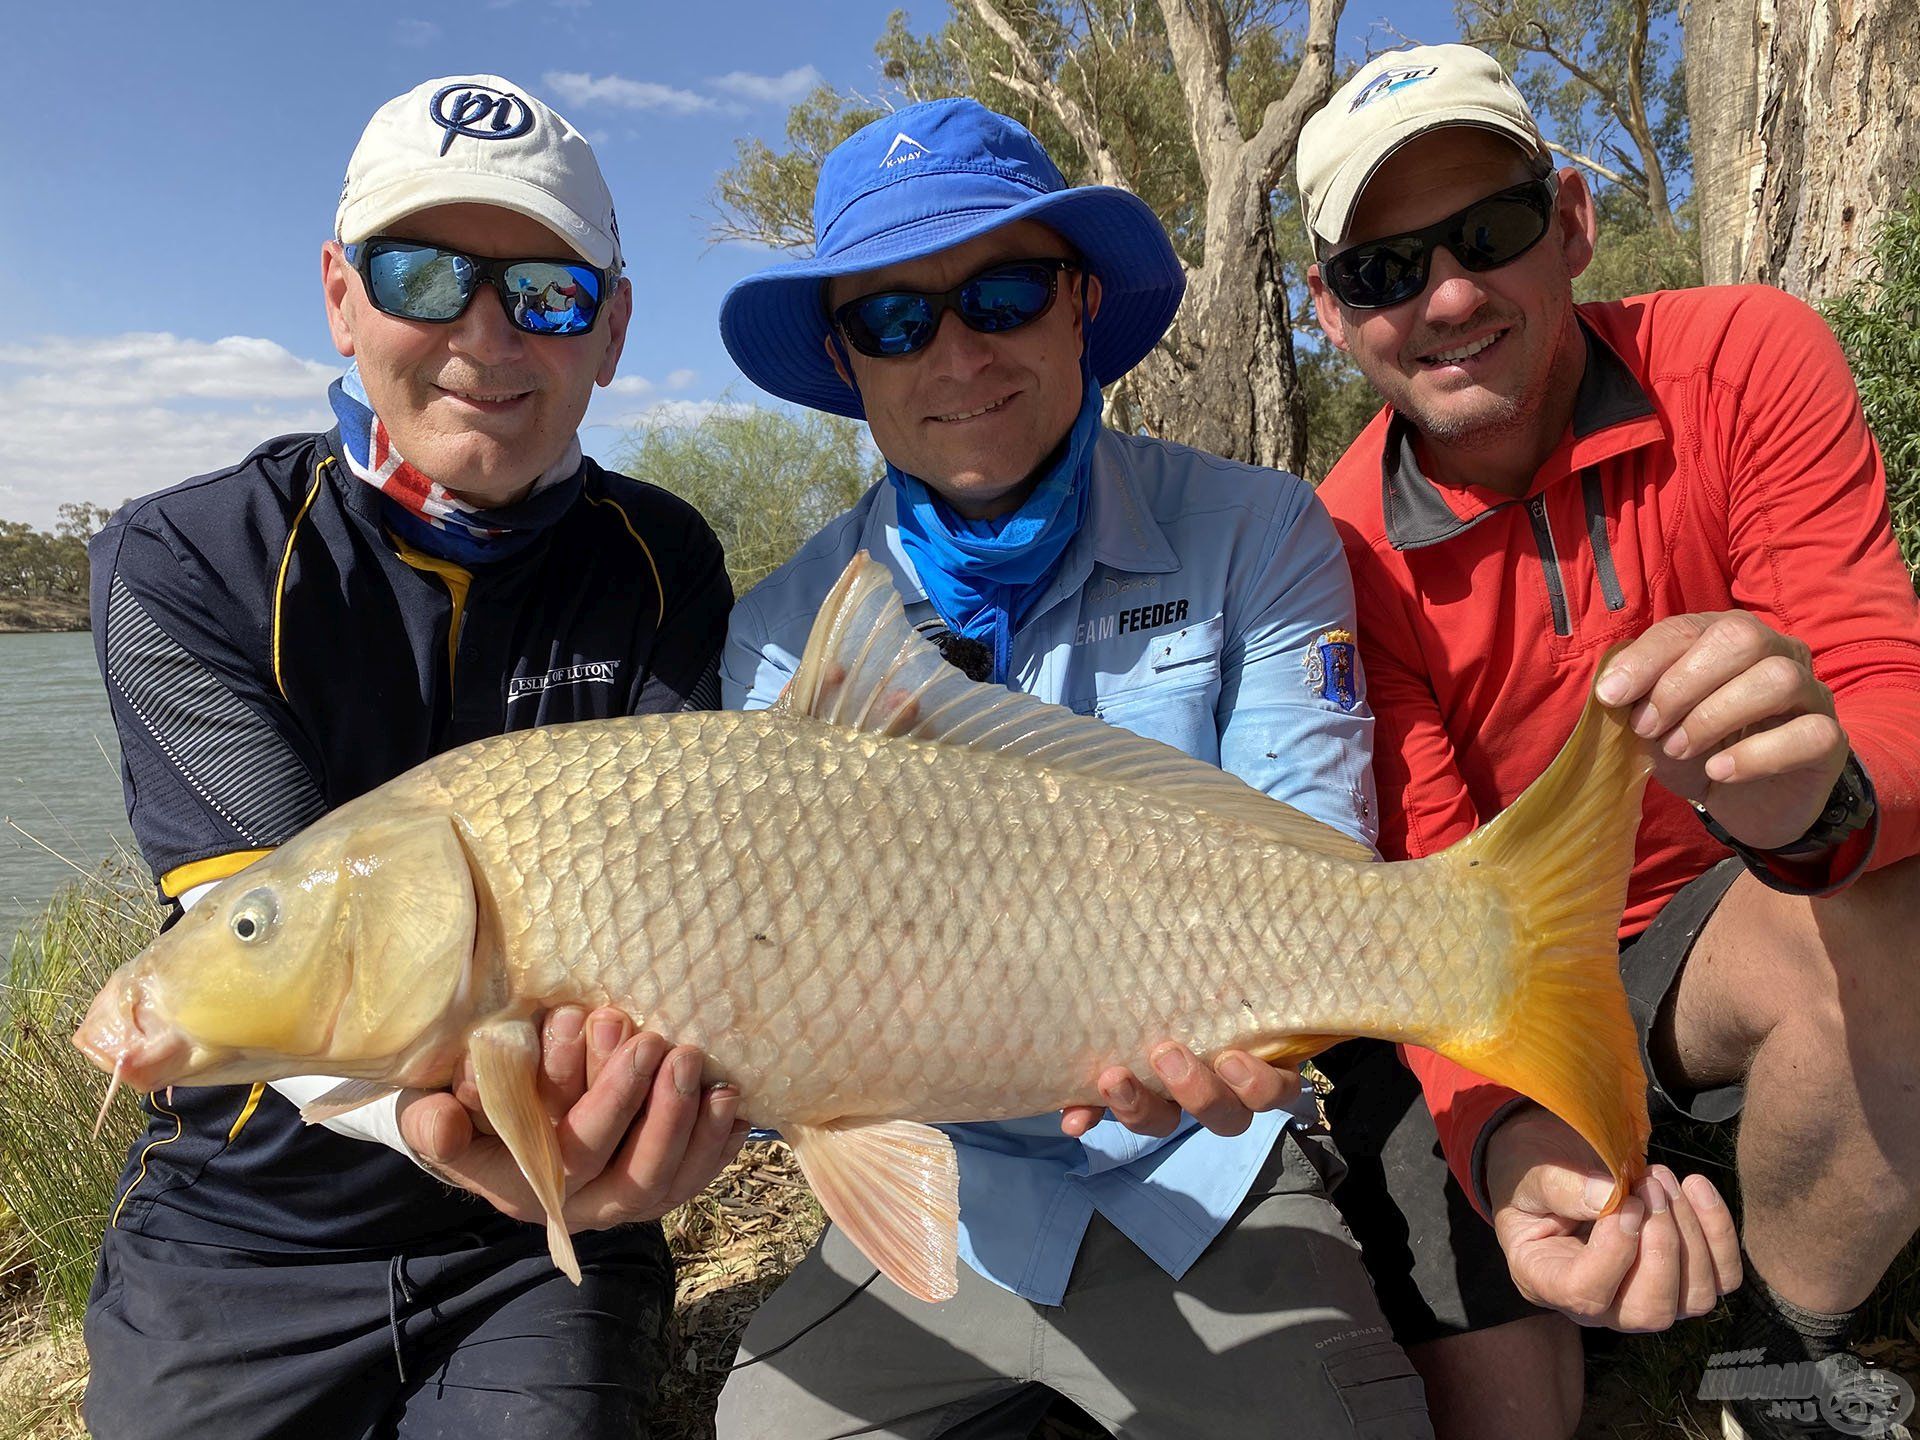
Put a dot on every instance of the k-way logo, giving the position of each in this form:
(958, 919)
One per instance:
(1128, 622)
(903, 149)
(593, 672)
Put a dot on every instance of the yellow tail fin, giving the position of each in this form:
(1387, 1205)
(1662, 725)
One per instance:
(1562, 852)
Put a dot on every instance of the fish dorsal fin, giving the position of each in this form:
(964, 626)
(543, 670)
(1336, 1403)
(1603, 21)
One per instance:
(866, 668)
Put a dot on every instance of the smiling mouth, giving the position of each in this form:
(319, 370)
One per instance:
(960, 415)
(1460, 354)
(481, 397)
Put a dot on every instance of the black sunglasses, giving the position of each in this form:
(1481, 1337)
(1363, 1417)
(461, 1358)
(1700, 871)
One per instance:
(1002, 297)
(429, 282)
(1487, 234)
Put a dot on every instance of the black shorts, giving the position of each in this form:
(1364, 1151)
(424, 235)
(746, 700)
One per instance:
(455, 1341)
(1436, 1265)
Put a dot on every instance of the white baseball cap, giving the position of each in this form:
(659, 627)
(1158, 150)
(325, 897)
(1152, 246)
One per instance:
(1390, 100)
(479, 140)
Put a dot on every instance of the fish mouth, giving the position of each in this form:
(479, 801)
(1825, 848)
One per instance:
(121, 1036)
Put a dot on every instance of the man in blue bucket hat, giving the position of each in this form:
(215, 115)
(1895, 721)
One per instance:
(1174, 1271)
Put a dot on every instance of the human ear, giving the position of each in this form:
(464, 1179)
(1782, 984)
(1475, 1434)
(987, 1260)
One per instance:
(1326, 309)
(337, 283)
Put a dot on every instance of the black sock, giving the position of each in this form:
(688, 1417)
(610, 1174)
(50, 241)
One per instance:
(1786, 1332)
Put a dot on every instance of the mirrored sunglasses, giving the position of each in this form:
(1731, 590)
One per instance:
(1485, 235)
(1000, 298)
(429, 282)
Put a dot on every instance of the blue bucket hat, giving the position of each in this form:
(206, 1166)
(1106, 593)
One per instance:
(926, 179)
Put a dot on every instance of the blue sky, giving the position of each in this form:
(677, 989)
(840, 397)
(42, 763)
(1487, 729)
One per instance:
(162, 219)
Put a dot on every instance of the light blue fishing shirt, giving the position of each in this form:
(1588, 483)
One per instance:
(1205, 604)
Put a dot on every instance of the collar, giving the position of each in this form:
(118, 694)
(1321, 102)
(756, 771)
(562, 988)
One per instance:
(1612, 415)
(1120, 532)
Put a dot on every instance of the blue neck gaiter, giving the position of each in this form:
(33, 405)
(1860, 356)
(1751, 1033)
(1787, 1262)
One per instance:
(983, 576)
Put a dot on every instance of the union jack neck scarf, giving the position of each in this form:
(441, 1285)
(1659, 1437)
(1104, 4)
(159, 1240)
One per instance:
(426, 512)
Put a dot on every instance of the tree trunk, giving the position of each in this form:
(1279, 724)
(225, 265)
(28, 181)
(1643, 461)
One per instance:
(1806, 132)
(1224, 379)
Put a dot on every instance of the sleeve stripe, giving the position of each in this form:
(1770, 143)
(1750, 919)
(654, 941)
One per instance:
(238, 765)
(182, 878)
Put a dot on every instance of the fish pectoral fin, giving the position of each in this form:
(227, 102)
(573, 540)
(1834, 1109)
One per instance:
(344, 1098)
(893, 1187)
(1290, 1050)
(506, 1068)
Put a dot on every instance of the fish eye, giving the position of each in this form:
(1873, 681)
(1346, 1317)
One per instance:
(253, 917)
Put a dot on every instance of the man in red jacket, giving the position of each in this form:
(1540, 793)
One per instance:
(1688, 471)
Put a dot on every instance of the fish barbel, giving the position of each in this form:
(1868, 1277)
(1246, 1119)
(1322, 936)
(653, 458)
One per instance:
(895, 897)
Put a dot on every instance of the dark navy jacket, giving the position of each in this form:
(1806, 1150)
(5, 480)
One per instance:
(271, 652)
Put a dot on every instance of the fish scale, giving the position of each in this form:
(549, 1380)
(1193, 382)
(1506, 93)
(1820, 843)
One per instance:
(897, 897)
(665, 897)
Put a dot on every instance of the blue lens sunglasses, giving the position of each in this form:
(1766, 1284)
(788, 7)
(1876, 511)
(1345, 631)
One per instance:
(1005, 296)
(412, 281)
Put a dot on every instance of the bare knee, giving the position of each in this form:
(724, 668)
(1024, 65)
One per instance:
(1520, 1381)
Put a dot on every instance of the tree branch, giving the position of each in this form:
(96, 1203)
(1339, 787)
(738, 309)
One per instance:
(1271, 149)
(1202, 48)
(1587, 162)
(1035, 84)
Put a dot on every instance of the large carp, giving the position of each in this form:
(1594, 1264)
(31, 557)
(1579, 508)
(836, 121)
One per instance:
(895, 897)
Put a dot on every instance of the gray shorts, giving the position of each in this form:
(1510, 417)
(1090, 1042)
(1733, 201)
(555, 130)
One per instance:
(1273, 1331)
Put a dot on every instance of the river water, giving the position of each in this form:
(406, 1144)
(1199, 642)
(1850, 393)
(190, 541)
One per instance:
(59, 772)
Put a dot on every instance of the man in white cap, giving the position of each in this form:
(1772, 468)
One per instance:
(1687, 474)
(1175, 1274)
(285, 634)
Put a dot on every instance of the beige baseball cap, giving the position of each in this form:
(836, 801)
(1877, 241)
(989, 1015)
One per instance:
(1390, 100)
(480, 140)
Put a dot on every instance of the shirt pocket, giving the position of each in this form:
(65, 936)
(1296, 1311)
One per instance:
(1170, 693)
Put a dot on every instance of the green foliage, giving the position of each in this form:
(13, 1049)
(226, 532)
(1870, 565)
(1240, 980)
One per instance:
(1340, 402)
(1634, 255)
(1571, 59)
(1109, 56)
(39, 564)
(765, 479)
(1878, 323)
(55, 1177)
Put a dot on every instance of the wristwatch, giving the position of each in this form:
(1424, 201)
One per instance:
(1850, 806)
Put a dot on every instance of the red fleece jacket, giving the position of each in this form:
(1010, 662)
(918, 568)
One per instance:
(1717, 459)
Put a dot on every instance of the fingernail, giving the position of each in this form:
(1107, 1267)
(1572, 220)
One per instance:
(1676, 744)
(686, 1074)
(606, 1036)
(564, 1025)
(1235, 1070)
(1173, 1063)
(1126, 1094)
(1599, 1190)
(717, 1098)
(1632, 1215)
(1656, 1197)
(1646, 724)
(1704, 1196)
(1612, 688)
(1720, 769)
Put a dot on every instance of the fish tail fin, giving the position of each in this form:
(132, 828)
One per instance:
(1562, 853)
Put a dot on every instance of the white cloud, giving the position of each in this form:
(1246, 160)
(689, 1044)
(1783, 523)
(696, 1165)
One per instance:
(631, 385)
(576, 87)
(782, 89)
(680, 379)
(661, 414)
(105, 418)
(415, 33)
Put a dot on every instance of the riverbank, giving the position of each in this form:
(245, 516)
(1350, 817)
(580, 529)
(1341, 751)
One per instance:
(42, 615)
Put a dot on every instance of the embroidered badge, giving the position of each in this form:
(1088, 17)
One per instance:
(479, 113)
(1331, 668)
(1388, 81)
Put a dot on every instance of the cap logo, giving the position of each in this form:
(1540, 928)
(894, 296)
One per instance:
(1388, 81)
(480, 114)
(903, 149)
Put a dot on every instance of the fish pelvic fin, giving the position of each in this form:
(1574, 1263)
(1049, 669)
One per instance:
(893, 1188)
(866, 668)
(344, 1099)
(1562, 853)
(506, 1068)
(1288, 1051)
